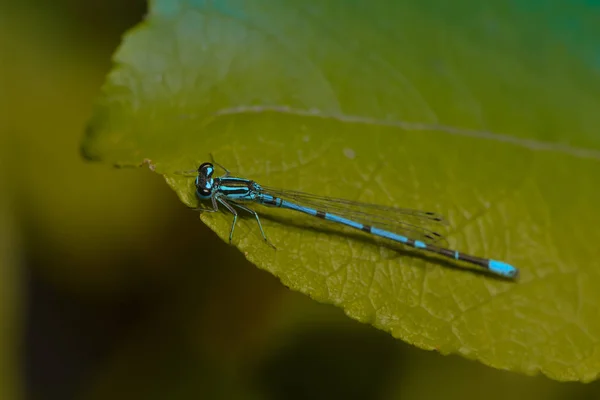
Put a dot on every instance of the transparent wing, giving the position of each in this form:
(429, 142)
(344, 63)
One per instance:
(414, 224)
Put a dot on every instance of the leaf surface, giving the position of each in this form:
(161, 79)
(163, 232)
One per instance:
(467, 110)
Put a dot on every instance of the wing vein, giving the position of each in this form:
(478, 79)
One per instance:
(414, 224)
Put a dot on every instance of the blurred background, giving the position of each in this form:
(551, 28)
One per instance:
(110, 288)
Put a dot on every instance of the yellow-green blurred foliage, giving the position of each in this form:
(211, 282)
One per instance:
(111, 288)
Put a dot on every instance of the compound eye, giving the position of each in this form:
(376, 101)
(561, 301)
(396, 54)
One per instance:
(206, 169)
(204, 192)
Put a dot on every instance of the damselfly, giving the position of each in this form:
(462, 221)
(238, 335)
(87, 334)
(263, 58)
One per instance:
(401, 225)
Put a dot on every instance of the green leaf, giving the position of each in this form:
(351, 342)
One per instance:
(469, 110)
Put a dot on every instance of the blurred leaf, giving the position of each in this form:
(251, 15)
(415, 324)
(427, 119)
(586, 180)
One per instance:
(9, 304)
(471, 110)
(65, 206)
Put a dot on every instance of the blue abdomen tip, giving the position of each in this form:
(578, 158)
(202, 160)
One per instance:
(420, 245)
(504, 269)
